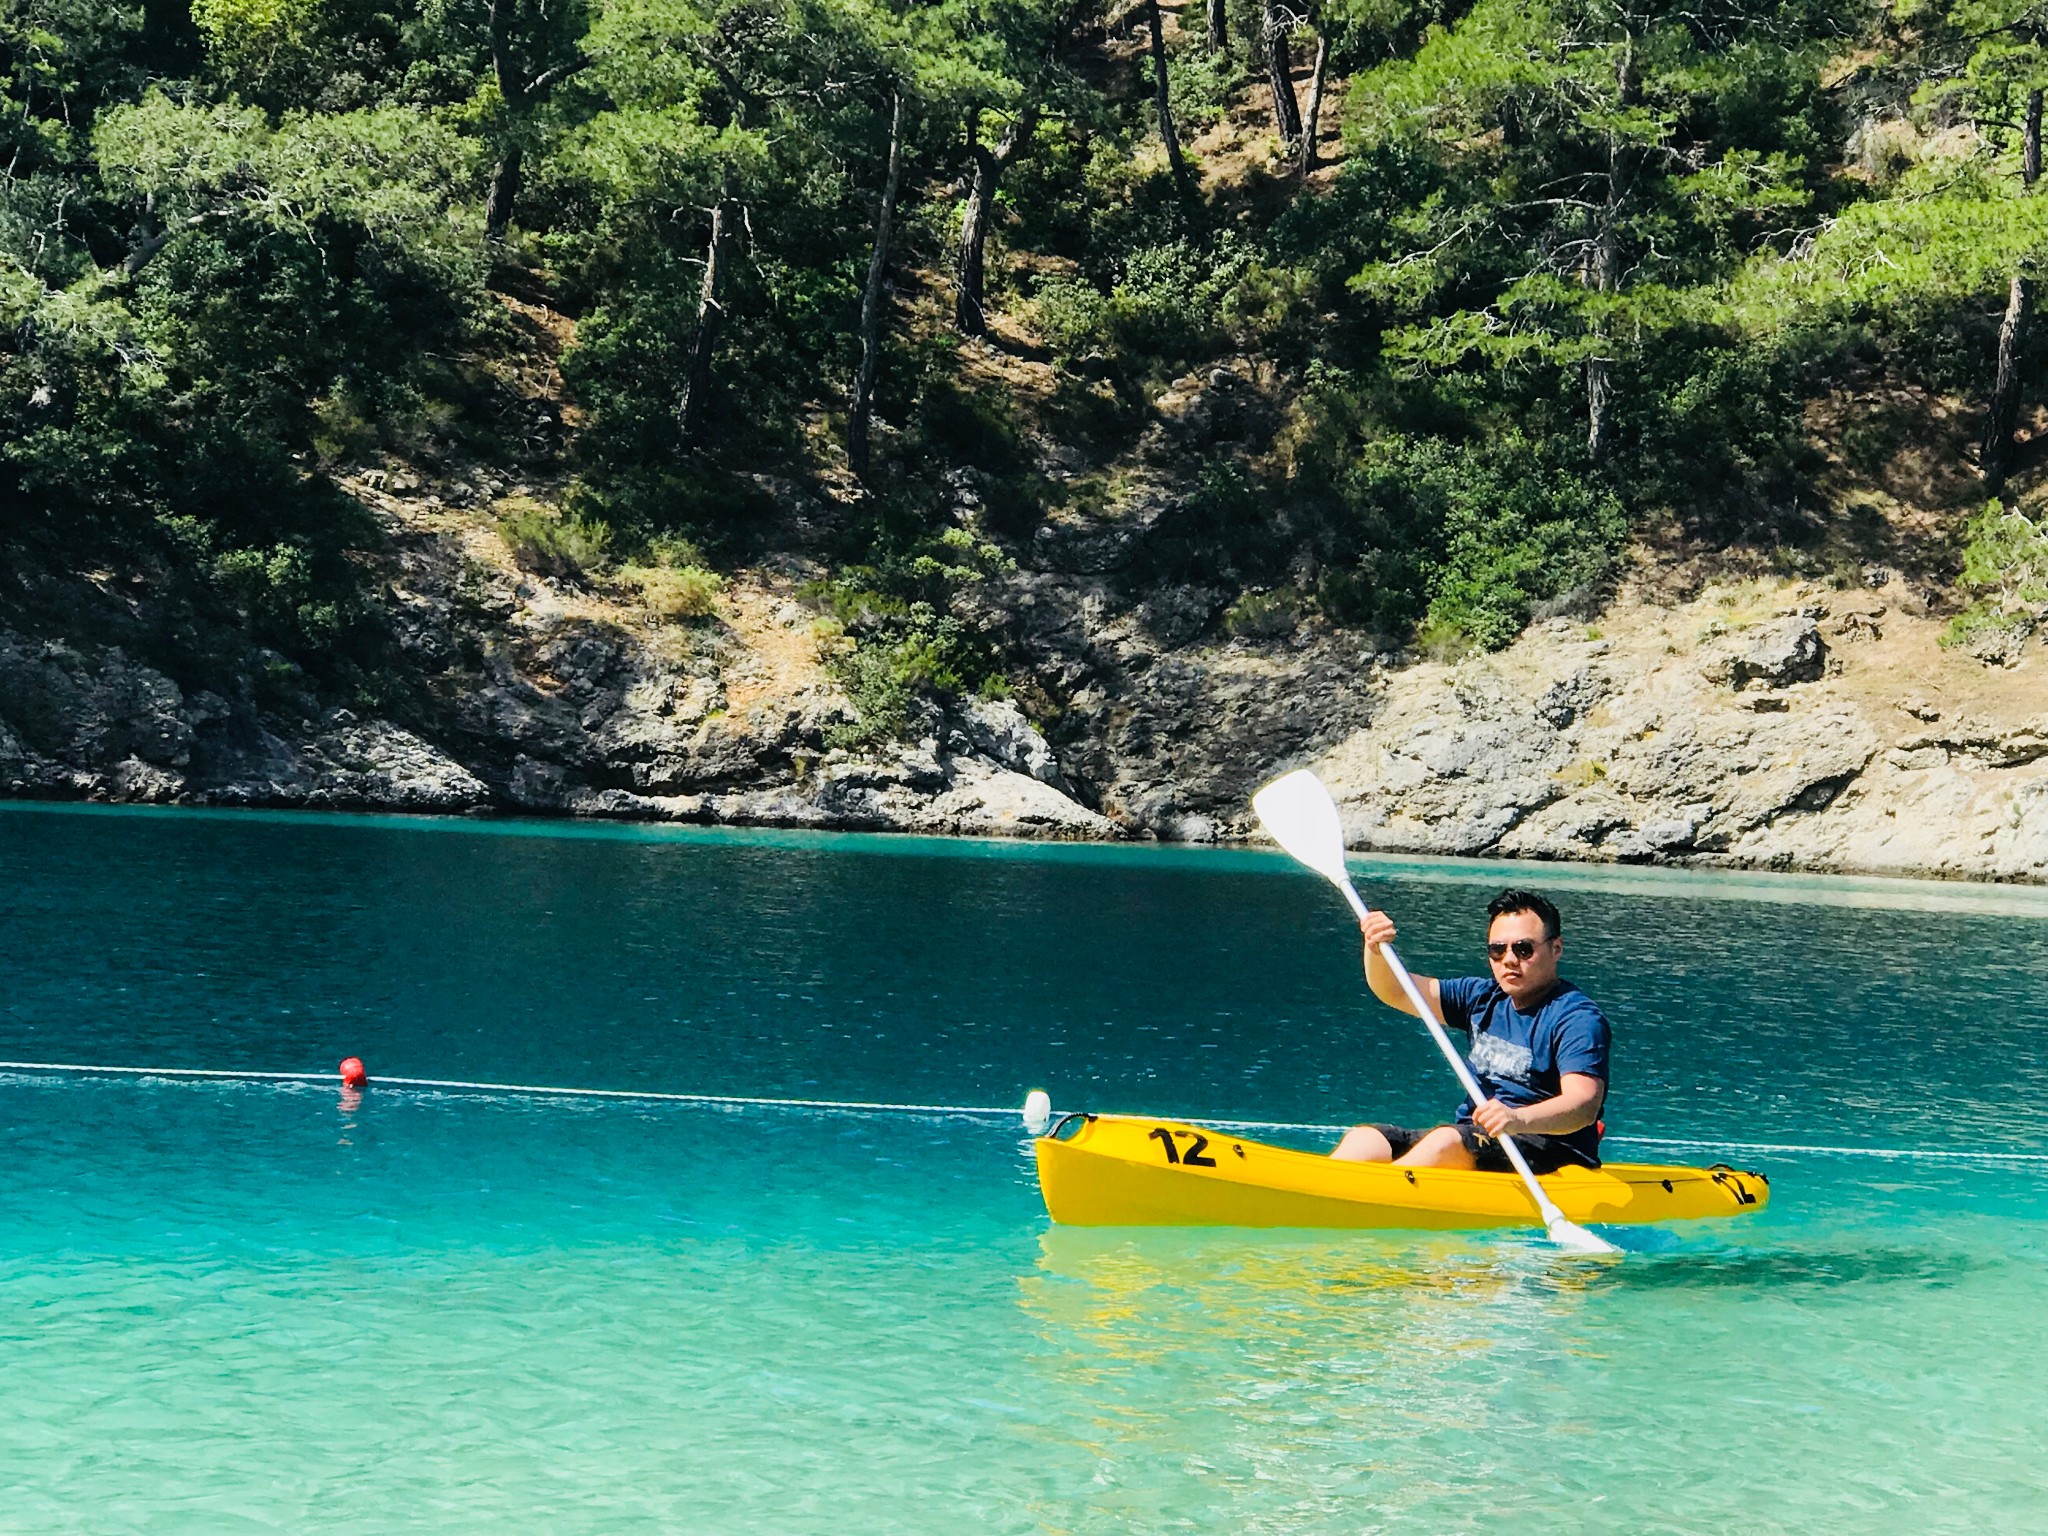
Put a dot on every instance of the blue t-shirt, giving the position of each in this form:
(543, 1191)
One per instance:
(1520, 1058)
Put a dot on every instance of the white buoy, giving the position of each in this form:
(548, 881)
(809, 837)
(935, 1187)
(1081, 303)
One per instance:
(1037, 1111)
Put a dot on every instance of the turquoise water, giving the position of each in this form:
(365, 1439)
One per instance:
(230, 1307)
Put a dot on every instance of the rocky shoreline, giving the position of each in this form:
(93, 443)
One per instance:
(124, 732)
(1761, 724)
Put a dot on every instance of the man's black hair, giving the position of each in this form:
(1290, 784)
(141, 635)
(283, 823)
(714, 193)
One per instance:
(1513, 900)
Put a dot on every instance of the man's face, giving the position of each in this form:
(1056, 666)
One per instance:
(1523, 961)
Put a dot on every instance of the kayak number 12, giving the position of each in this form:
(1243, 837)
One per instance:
(1191, 1158)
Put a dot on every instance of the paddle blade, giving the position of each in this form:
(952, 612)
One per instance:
(1573, 1238)
(1299, 815)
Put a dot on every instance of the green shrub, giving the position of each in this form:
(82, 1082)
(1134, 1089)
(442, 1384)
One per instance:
(549, 544)
(1271, 303)
(675, 579)
(342, 432)
(1988, 634)
(676, 593)
(913, 655)
(2005, 567)
(1464, 540)
(1201, 85)
(1264, 615)
(1072, 315)
(675, 552)
(1167, 303)
(2005, 559)
(1717, 433)
(1161, 299)
(276, 590)
(902, 573)
(882, 684)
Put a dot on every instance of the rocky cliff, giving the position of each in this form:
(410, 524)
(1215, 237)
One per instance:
(1827, 733)
(1766, 722)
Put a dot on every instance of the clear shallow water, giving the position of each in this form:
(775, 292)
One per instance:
(228, 1307)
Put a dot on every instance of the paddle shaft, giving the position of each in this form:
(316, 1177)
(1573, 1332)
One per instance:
(1544, 1203)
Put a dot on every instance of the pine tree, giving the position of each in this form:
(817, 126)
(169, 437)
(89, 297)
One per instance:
(2000, 89)
(1598, 168)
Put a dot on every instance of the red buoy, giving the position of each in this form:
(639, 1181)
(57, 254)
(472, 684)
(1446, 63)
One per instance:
(352, 1073)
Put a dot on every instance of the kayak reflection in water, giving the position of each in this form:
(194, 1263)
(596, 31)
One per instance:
(1539, 1051)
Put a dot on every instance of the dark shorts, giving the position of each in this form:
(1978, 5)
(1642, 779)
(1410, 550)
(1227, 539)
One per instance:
(1546, 1154)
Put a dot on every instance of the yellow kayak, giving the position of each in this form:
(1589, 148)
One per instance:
(1125, 1171)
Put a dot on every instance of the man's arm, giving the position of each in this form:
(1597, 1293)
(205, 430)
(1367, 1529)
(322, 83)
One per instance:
(1379, 929)
(1575, 1106)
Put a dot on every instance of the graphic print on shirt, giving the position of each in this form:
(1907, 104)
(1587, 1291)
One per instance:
(1499, 1059)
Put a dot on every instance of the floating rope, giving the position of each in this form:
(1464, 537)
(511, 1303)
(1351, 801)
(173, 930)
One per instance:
(531, 1089)
(857, 1106)
(1904, 1154)
(80, 1066)
(866, 1106)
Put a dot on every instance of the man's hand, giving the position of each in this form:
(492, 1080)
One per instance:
(1378, 929)
(1497, 1120)
(1576, 1106)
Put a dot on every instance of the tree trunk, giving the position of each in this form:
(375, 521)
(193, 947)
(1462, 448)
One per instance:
(2030, 163)
(857, 452)
(1162, 94)
(511, 86)
(1599, 430)
(2005, 390)
(519, 94)
(1219, 26)
(1604, 270)
(1273, 39)
(504, 193)
(1599, 412)
(969, 267)
(512, 89)
(969, 263)
(1312, 119)
(697, 371)
(2003, 417)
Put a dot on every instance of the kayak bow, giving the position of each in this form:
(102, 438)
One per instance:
(1123, 1170)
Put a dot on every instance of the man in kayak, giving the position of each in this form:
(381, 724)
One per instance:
(1539, 1051)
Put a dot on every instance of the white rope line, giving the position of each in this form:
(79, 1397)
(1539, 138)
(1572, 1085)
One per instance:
(79, 1066)
(868, 1106)
(523, 1088)
(856, 1105)
(1932, 1154)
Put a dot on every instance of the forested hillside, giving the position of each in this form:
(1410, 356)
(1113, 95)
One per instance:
(1417, 315)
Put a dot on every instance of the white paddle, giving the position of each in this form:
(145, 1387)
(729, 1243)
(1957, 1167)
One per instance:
(1302, 819)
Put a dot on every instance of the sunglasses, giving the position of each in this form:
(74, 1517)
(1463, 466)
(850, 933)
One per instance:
(1524, 949)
